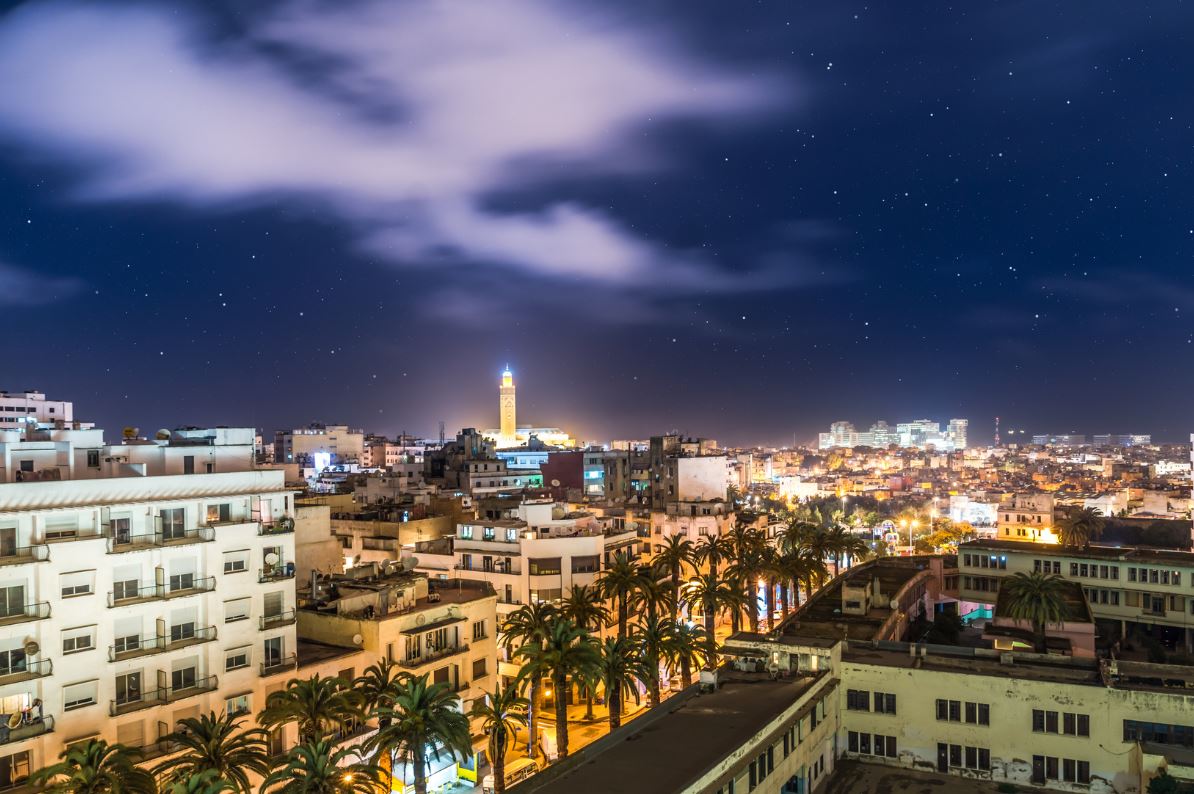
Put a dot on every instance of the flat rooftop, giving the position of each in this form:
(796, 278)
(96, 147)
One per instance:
(822, 616)
(1139, 554)
(677, 748)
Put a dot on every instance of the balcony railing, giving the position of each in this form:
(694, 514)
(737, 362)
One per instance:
(157, 696)
(148, 752)
(26, 730)
(432, 656)
(283, 618)
(161, 591)
(144, 646)
(273, 666)
(282, 526)
(19, 555)
(25, 670)
(277, 572)
(39, 610)
(121, 542)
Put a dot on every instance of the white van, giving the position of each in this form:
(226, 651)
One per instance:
(517, 771)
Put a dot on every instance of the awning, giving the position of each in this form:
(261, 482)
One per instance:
(432, 626)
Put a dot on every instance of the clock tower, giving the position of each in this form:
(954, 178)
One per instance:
(506, 405)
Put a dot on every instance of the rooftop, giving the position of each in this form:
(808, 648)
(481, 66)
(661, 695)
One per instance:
(1140, 554)
(707, 726)
(822, 617)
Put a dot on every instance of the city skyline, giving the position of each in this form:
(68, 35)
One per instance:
(795, 215)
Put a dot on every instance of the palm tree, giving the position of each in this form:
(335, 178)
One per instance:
(319, 706)
(424, 717)
(216, 744)
(584, 606)
(527, 624)
(95, 767)
(853, 548)
(673, 558)
(377, 684)
(318, 768)
(690, 648)
(712, 550)
(620, 669)
(618, 583)
(567, 651)
(208, 782)
(656, 642)
(714, 597)
(500, 712)
(653, 597)
(1036, 597)
(1080, 526)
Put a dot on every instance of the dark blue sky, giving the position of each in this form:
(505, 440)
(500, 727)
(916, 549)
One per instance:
(737, 221)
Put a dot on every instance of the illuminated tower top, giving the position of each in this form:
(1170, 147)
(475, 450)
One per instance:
(506, 405)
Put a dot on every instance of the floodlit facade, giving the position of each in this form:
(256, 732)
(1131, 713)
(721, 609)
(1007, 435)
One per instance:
(319, 445)
(136, 599)
(1027, 517)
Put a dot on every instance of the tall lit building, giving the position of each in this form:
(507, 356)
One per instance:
(506, 405)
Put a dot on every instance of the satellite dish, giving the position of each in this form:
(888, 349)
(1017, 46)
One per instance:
(271, 558)
(454, 611)
(410, 563)
(129, 432)
(162, 435)
(420, 620)
(357, 639)
(555, 483)
(32, 648)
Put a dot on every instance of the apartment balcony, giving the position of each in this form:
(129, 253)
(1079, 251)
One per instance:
(275, 666)
(283, 526)
(427, 657)
(160, 696)
(26, 670)
(283, 618)
(276, 572)
(26, 730)
(21, 555)
(149, 645)
(36, 611)
(161, 592)
(158, 749)
(121, 543)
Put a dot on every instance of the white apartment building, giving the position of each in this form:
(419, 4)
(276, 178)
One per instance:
(19, 408)
(137, 595)
(537, 555)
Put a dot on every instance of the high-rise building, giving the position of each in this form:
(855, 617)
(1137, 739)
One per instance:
(921, 433)
(144, 582)
(957, 432)
(506, 405)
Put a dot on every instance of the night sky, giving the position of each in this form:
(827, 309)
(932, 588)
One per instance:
(738, 220)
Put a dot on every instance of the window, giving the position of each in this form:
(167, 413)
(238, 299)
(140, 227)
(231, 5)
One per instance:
(544, 566)
(241, 704)
(93, 459)
(237, 609)
(479, 669)
(172, 523)
(236, 561)
(76, 696)
(182, 679)
(78, 640)
(236, 658)
(221, 513)
(181, 581)
(76, 583)
(858, 700)
(1069, 724)
(885, 703)
(586, 564)
(128, 688)
(478, 630)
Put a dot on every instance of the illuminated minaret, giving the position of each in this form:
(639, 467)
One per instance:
(506, 403)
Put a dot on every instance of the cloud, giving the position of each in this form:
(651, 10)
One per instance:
(22, 287)
(400, 118)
